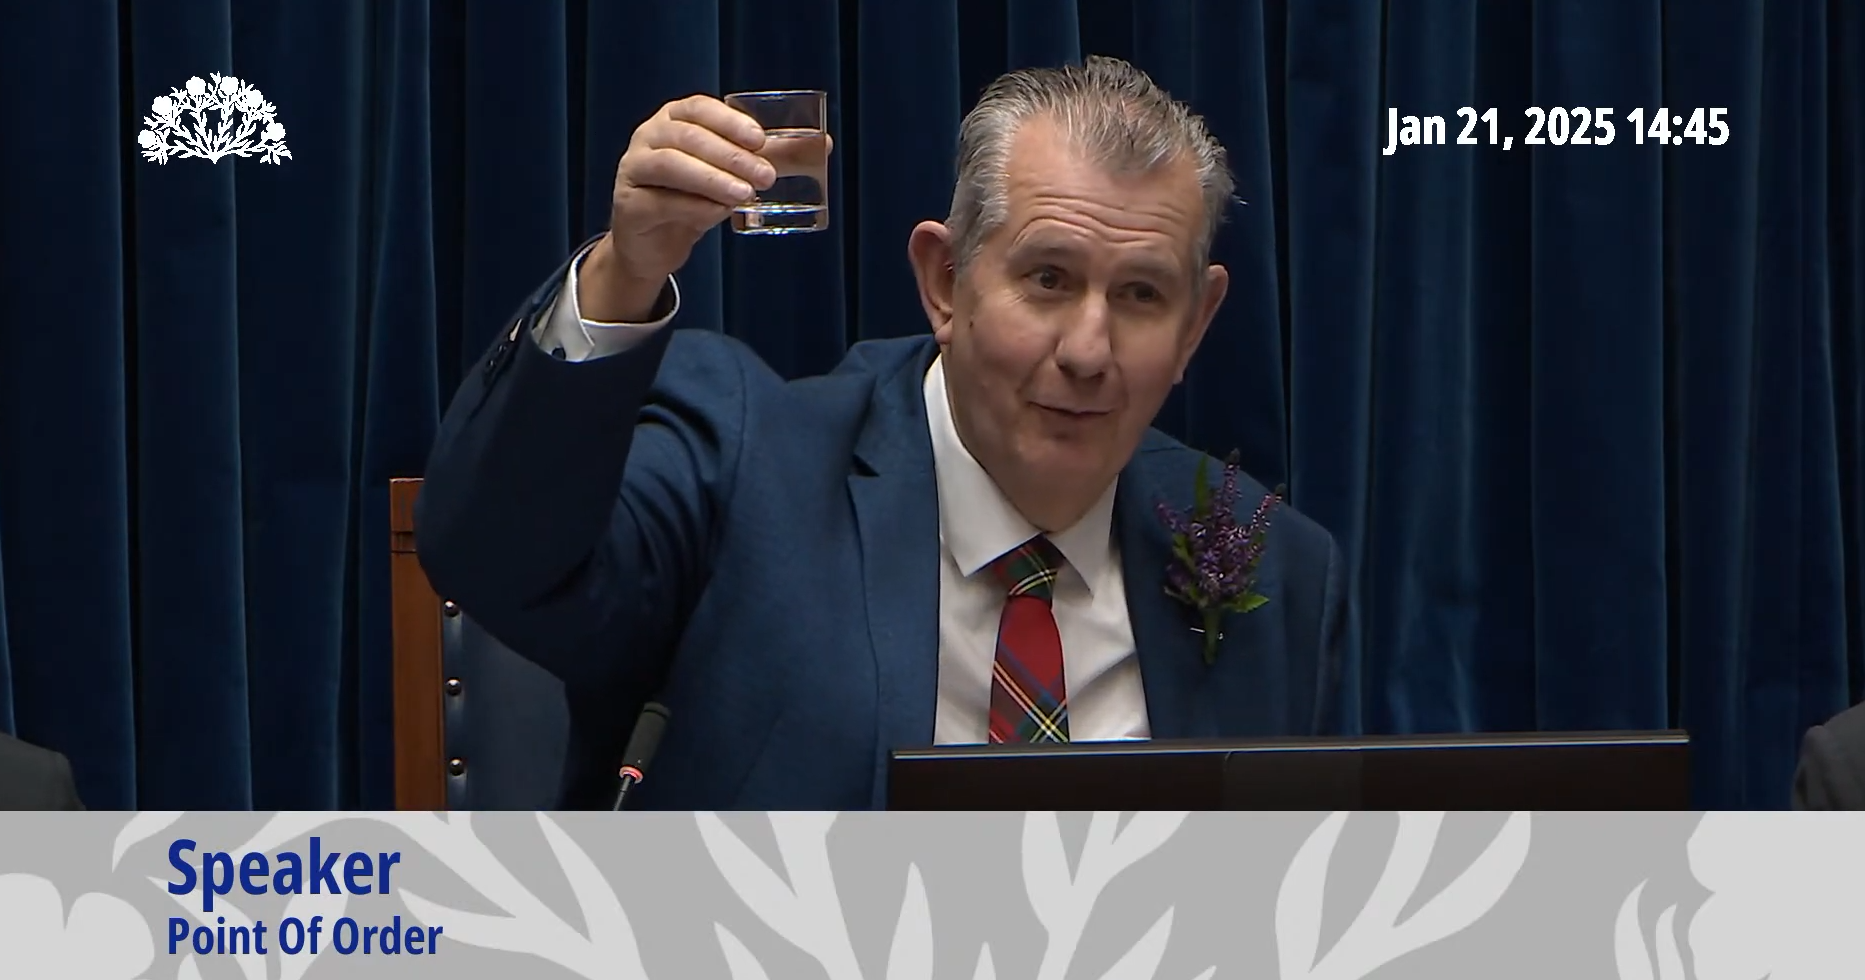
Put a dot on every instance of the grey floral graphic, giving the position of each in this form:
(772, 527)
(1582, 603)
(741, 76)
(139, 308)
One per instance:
(1784, 901)
(141, 827)
(1377, 937)
(808, 913)
(1064, 901)
(103, 938)
(1630, 951)
(605, 948)
(1042, 896)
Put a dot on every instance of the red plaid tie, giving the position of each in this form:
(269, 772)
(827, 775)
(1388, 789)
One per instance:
(1029, 695)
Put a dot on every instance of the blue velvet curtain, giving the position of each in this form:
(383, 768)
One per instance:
(1587, 419)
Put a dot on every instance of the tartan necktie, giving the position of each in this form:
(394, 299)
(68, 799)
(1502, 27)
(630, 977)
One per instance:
(1029, 695)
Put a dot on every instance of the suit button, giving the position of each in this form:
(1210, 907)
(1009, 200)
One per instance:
(456, 767)
(497, 356)
(454, 686)
(449, 608)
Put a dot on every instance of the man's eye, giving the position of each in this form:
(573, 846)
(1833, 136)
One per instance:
(1047, 278)
(1145, 293)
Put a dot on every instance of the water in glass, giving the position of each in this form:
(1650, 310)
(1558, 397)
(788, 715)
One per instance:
(797, 147)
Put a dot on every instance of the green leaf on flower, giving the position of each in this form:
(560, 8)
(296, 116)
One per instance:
(1201, 489)
(1252, 601)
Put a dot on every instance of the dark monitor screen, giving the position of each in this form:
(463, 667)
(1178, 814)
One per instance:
(1531, 771)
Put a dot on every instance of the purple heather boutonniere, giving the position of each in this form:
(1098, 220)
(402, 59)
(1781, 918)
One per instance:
(1215, 557)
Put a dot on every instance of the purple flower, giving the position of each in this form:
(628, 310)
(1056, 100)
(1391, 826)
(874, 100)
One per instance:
(1215, 557)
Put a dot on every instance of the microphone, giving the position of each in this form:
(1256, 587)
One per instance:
(641, 746)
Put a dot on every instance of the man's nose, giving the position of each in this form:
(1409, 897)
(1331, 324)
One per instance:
(1086, 349)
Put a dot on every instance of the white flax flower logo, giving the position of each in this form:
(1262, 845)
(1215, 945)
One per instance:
(246, 124)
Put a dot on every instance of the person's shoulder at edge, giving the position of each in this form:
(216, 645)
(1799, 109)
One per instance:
(1831, 772)
(35, 778)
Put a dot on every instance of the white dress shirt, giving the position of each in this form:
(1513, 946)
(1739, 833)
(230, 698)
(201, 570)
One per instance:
(1107, 701)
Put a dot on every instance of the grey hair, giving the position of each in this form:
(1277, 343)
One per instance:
(1109, 109)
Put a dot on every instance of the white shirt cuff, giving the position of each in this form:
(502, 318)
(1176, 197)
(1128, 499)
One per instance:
(564, 334)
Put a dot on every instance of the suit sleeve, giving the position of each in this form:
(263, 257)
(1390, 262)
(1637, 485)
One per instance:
(64, 785)
(568, 507)
(1337, 699)
(1829, 775)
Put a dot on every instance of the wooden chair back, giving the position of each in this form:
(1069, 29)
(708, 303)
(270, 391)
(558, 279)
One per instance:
(420, 687)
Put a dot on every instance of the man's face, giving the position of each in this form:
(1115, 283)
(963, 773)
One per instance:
(1069, 328)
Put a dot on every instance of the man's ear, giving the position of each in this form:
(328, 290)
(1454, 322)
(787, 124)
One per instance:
(929, 249)
(1216, 284)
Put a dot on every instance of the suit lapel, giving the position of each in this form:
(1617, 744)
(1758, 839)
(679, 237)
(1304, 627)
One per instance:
(896, 506)
(1172, 668)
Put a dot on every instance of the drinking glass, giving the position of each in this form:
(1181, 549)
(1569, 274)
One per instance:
(796, 143)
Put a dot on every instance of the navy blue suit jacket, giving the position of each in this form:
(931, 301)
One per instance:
(679, 523)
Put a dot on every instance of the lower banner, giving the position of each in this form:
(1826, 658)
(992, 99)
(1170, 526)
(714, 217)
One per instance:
(919, 896)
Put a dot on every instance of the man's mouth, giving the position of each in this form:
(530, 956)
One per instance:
(1073, 413)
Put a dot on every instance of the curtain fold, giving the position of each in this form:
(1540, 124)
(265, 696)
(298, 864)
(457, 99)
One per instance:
(66, 522)
(1586, 418)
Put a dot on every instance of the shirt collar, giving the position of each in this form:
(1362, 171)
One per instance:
(978, 523)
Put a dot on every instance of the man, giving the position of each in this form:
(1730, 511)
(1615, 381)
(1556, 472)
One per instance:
(950, 539)
(1831, 774)
(32, 778)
